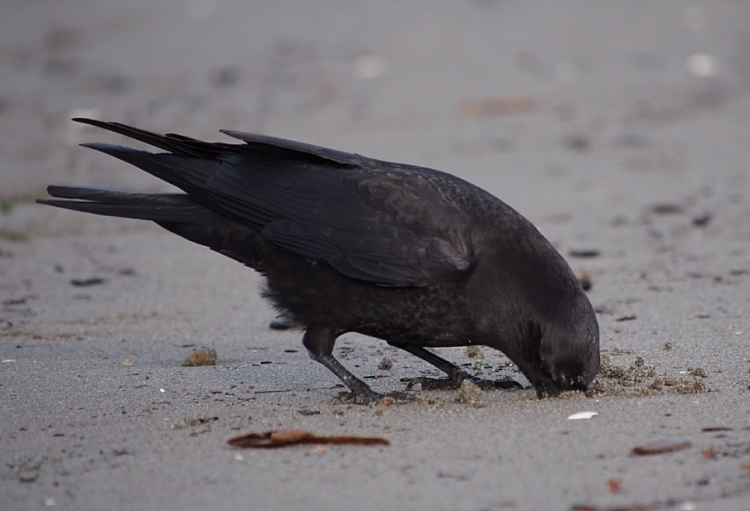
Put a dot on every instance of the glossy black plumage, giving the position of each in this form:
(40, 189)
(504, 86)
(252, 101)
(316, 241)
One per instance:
(414, 256)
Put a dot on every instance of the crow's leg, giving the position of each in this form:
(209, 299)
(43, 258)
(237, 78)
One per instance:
(456, 375)
(319, 342)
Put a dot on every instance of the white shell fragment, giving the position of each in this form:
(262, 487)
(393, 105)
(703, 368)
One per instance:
(582, 415)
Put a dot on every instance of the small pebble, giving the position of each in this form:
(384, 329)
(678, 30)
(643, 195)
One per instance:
(584, 279)
(93, 281)
(386, 364)
(202, 357)
(584, 253)
(280, 323)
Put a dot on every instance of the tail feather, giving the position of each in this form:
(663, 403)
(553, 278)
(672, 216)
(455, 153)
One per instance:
(187, 173)
(254, 145)
(157, 207)
(176, 212)
(111, 195)
(177, 144)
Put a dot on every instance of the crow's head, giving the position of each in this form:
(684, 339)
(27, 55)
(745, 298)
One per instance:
(567, 356)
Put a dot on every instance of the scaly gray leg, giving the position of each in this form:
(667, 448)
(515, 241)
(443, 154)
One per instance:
(319, 342)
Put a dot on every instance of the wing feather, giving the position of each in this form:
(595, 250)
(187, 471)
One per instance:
(381, 222)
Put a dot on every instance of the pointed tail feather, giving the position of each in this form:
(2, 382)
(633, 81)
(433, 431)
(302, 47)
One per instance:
(177, 144)
(157, 207)
(187, 173)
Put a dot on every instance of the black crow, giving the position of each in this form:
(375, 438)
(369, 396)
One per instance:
(414, 256)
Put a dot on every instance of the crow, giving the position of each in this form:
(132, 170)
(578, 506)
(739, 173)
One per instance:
(416, 257)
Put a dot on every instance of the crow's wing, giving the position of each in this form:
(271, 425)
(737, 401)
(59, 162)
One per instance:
(380, 222)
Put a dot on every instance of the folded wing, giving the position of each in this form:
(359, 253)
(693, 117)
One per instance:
(380, 222)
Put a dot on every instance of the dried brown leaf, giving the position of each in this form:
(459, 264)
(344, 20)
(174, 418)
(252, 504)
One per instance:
(286, 437)
(661, 447)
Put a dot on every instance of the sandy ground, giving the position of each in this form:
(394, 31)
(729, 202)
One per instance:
(619, 127)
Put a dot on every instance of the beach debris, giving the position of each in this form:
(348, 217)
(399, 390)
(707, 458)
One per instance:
(287, 437)
(641, 379)
(584, 253)
(614, 485)
(577, 142)
(93, 281)
(386, 364)
(193, 422)
(702, 220)
(582, 416)
(584, 279)
(201, 357)
(280, 323)
(629, 317)
(684, 505)
(667, 209)
(662, 446)
(308, 411)
(21, 300)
